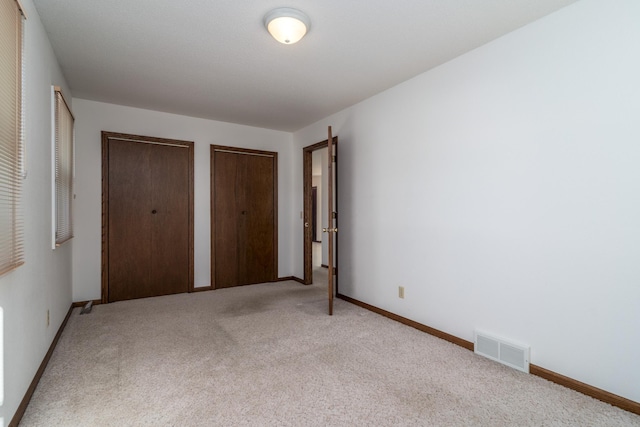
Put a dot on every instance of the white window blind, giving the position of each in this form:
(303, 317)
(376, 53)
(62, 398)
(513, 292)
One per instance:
(63, 169)
(11, 224)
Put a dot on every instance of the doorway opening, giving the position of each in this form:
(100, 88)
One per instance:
(316, 177)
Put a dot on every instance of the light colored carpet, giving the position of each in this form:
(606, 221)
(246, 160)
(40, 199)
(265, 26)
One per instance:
(269, 355)
(320, 276)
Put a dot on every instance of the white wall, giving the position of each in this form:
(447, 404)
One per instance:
(502, 190)
(44, 281)
(93, 117)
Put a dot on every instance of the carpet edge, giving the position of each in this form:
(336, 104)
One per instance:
(573, 384)
(22, 407)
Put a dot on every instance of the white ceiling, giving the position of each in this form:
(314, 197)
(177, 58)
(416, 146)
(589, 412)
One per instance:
(214, 59)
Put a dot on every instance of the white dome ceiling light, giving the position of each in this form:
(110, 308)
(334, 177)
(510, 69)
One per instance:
(287, 25)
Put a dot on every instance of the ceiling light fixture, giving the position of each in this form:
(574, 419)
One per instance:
(287, 25)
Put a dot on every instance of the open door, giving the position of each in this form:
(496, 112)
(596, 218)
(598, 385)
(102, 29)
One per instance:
(329, 201)
(331, 229)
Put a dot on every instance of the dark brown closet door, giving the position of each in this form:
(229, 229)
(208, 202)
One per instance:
(244, 216)
(169, 232)
(148, 218)
(225, 220)
(129, 227)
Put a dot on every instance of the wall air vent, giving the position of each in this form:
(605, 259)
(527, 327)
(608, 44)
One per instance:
(500, 350)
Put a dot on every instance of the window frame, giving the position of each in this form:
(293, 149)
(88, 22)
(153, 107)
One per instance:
(63, 168)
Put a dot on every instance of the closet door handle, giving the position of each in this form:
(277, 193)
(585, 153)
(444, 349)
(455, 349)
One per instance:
(154, 211)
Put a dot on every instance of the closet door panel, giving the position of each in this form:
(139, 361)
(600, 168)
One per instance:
(259, 244)
(170, 218)
(129, 221)
(244, 216)
(147, 216)
(226, 217)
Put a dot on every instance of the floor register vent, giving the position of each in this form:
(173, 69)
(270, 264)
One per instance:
(505, 352)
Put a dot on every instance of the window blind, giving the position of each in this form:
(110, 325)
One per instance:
(63, 169)
(11, 222)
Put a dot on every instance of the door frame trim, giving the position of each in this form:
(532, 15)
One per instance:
(307, 172)
(252, 152)
(106, 137)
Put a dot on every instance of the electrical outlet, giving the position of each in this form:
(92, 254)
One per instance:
(47, 317)
(401, 291)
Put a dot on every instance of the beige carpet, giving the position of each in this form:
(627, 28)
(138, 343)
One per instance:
(269, 355)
